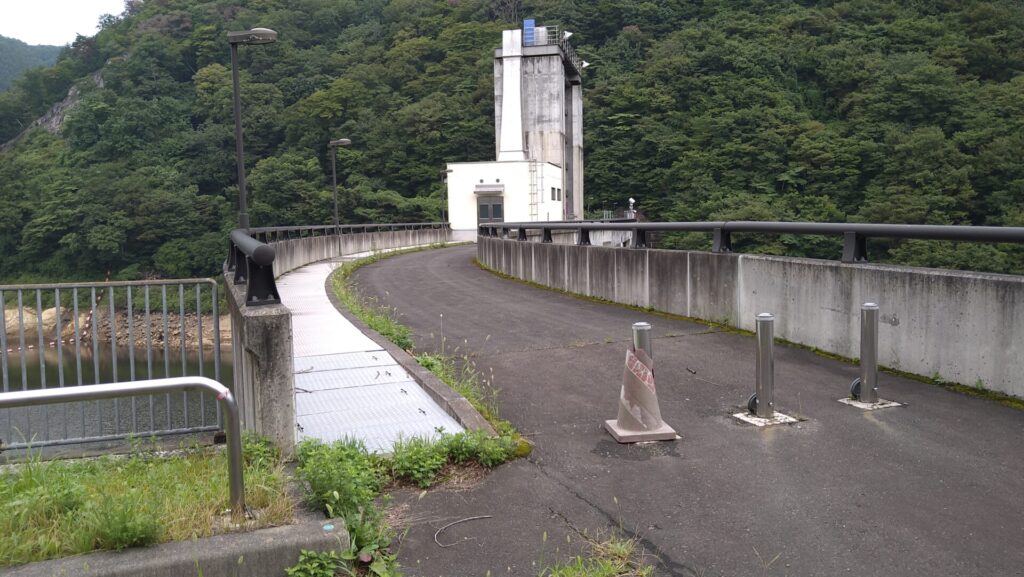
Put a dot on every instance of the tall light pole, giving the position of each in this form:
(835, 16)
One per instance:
(254, 36)
(444, 188)
(333, 146)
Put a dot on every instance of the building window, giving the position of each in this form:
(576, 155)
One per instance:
(553, 193)
(559, 194)
(485, 212)
(496, 211)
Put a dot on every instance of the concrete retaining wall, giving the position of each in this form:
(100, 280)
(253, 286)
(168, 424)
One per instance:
(964, 327)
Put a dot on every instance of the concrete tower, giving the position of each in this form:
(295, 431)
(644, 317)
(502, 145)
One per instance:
(538, 113)
(538, 105)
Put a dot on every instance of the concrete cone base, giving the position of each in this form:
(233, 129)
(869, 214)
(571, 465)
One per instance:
(662, 433)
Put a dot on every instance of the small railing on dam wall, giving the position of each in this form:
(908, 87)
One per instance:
(964, 327)
(261, 323)
(854, 235)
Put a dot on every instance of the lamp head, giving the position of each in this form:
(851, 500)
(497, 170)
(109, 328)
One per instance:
(339, 142)
(254, 36)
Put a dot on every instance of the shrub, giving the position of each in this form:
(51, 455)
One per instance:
(258, 451)
(464, 447)
(418, 460)
(341, 477)
(495, 450)
(314, 564)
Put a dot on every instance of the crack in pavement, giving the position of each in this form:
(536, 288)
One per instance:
(675, 568)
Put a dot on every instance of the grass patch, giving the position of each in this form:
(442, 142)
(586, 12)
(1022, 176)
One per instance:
(612, 557)
(345, 480)
(59, 508)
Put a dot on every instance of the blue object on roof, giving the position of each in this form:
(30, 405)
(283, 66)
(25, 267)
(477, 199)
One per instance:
(529, 32)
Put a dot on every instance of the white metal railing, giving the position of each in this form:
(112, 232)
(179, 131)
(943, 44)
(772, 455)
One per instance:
(152, 387)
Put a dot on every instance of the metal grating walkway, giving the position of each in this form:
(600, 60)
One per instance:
(346, 385)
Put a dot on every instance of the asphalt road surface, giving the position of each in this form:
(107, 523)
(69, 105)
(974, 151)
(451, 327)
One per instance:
(932, 488)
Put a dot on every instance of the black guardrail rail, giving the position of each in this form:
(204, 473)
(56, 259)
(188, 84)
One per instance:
(854, 235)
(251, 256)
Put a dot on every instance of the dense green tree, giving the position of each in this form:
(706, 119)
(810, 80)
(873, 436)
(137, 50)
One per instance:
(843, 110)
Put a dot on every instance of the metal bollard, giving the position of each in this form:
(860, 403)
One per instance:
(762, 402)
(865, 388)
(642, 338)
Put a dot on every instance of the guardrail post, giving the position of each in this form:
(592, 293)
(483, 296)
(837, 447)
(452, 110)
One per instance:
(721, 241)
(642, 338)
(865, 388)
(547, 235)
(522, 234)
(504, 232)
(762, 402)
(855, 248)
(583, 239)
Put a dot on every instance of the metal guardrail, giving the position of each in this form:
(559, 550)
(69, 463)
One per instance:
(74, 334)
(251, 258)
(152, 387)
(854, 235)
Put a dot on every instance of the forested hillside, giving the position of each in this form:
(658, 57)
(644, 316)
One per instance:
(17, 57)
(860, 110)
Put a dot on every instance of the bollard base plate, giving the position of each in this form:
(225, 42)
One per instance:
(778, 419)
(881, 404)
(662, 433)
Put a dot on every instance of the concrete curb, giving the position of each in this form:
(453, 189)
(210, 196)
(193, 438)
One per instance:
(261, 553)
(452, 402)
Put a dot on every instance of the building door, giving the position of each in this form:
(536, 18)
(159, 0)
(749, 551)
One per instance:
(489, 209)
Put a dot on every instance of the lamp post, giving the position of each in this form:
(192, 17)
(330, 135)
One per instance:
(444, 187)
(333, 146)
(254, 36)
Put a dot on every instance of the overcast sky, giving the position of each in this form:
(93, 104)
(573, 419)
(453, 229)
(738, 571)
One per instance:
(53, 22)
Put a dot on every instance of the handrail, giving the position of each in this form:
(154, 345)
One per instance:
(106, 284)
(278, 233)
(251, 256)
(253, 264)
(114, 390)
(854, 235)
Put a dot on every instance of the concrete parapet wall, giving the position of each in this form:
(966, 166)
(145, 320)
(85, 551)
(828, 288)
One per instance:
(263, 381)
(295, 253)
(964, 327)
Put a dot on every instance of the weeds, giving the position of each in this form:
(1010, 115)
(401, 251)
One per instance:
(315, 564)
(418, 460)
(58, 508)
(613, 557)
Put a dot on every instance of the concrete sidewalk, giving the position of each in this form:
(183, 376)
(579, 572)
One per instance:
(929, 489)
(347, 385)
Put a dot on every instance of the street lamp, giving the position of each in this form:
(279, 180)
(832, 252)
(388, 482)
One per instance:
(254, 36)
(333, 145)
(444, 187)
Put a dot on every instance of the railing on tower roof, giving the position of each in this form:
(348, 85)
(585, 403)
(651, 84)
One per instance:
(553, 36)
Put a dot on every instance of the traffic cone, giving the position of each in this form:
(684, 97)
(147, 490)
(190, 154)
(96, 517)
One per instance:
(639, 417)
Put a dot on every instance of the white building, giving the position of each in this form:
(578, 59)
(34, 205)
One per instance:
(538, 116)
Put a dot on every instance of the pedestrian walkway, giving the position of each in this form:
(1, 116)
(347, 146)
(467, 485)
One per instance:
(346, 385)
